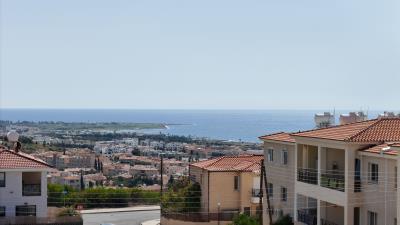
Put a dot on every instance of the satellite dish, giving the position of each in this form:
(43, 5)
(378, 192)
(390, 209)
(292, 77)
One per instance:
(12, 136)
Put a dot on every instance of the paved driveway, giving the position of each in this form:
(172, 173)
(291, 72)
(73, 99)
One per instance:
(120, 218)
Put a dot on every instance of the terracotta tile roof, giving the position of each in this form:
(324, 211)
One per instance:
(242, 163)
(281, 136)
(377, 130)
(13, 160)
(383, 148)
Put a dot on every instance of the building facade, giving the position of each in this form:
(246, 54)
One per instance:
(23, 185)
(341, 175)
(228, 184)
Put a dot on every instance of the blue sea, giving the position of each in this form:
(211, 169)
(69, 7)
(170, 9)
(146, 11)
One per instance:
(235, 125)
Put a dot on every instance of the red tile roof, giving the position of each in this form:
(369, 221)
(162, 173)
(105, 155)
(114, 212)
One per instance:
(281, 136)
(383, 148)
(242, 163)
(377, 130)
(13, 160)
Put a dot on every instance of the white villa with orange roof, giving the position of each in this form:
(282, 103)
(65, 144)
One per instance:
(23, 185)
(340, 175)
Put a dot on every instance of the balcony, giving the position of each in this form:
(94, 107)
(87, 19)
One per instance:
(307, 217)
(31, 190)
(309, 176)
(31, 184)
(333, 180)
(255, 195)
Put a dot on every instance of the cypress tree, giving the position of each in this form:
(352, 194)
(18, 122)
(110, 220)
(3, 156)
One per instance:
(82, 182)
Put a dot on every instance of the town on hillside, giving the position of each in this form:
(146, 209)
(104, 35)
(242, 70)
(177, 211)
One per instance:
(334, 174)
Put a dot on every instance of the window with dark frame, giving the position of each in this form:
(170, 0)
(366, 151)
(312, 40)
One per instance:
(372, 218)
(2, 179)
(270, 155)
(236, 183)
(270, 190)
(373, 173)
(284, 157)
(25, 210)
(284, 194)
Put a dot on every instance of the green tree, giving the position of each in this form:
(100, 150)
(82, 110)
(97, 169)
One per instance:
(182, 196)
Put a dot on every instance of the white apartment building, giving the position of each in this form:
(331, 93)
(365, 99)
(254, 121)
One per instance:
(23, 185)
(340, 175)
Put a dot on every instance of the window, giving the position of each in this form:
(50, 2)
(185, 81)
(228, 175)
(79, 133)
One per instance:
(270, 155)
(201, 179)
(373, 172)
(236, 183)
(395, 221)
(270, 190)
(395, 177)
(284, 157)
(372, 218)
(2, 211)
(25, 210)
(2, 179)
(283, 194)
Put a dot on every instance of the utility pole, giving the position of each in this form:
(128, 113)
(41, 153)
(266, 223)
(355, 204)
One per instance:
(261, 193)
(266, 191)
(161, 172)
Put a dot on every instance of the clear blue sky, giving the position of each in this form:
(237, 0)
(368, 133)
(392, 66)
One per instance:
(205, 54)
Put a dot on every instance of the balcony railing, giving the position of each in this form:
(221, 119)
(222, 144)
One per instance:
(309, 176)
(333, 180)
(306, 217)
(31, 190)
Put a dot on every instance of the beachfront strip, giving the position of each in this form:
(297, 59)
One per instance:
(340, 175)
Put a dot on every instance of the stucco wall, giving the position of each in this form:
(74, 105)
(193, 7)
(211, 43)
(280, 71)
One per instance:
(381, 197)
(280, 176)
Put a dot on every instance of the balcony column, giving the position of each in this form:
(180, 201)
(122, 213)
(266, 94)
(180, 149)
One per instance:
(348, 214)
(321, 162)
(318, 209)
(349, 186)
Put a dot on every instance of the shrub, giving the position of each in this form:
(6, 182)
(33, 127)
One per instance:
(284, 220)
(243, 219)
(69, 211)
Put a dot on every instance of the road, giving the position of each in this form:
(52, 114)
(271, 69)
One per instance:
(120, 218)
